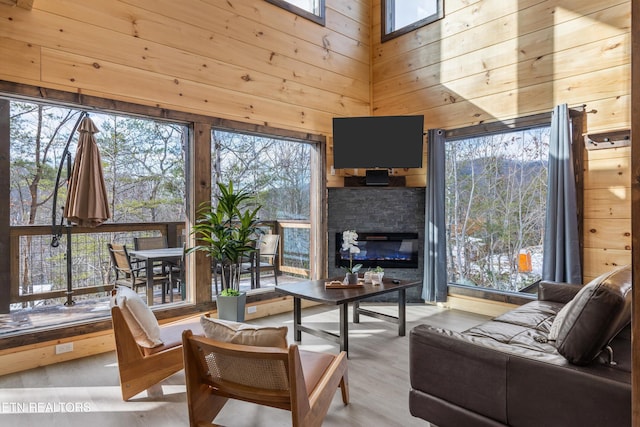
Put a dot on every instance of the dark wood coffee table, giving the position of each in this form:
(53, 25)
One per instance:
(315, 291)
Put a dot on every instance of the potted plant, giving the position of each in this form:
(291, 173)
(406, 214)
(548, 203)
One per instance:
(376, 275)
(227, 232)
(350, 244)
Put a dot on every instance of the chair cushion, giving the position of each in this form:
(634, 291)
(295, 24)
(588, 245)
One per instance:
(171, 334)
(314, 366)
(594, 316)
(142, 323)
(245, 334)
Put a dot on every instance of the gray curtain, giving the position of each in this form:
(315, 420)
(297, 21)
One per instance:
(561, 261)
(434, 287)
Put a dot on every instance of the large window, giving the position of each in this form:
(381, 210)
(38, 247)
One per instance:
(143, 162)
(496, 188)
(278, 171)
(309, 9)
(401, 16)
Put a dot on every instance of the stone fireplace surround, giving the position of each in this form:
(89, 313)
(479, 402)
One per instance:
(379, 209)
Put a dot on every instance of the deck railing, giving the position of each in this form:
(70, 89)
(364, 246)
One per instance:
(39, 272)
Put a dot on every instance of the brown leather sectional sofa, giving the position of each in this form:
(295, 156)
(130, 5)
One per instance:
(507, 371)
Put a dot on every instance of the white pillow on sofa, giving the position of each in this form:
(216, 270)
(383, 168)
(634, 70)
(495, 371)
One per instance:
(141, 321)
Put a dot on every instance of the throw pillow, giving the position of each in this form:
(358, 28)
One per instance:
(562, 314)
(142, 323)
(557, 322)
(595, 316)
(245, 334)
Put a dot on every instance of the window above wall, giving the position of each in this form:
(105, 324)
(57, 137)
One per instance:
(309, 9)
(402, 16)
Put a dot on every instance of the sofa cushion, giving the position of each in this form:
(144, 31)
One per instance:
(245, 334)
(595, 315)
(536, 315)
(141, 321)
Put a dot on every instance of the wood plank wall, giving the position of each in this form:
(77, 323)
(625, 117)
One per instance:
(635, 197)
(251, 61)
(243, 60)
(494, 60)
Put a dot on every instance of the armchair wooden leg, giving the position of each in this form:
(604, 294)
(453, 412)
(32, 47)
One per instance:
(203, 405)
(204, 408)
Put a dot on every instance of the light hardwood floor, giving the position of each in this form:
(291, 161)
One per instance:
(85, 392)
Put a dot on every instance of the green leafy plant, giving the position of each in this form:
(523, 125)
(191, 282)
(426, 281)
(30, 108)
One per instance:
(227, 232)
(378, 269)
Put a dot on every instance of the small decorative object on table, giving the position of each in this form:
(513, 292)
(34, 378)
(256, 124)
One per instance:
(350, 243)
(336, 284)
(367, 276)
(377, 275)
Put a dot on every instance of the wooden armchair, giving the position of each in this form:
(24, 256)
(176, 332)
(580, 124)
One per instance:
(147, 352)
(299, 381)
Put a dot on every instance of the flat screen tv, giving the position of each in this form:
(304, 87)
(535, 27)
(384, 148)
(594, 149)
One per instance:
(378, 142)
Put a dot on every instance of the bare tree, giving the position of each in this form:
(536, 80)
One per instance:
(144, 169)
(278, 171)
(495, 205)
(36, 133)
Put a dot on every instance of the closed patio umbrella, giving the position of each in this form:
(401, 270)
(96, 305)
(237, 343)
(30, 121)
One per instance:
(87, 203)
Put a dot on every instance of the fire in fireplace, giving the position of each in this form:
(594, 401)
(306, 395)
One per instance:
(386, 250)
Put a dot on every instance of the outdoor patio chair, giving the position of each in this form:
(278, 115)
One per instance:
(155, 242)
(247, 264)
(126, 274)
(299, 381)
(144, 243)
(147, 352)
(266, 259)
(174, 270)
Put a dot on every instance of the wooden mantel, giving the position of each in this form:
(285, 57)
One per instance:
(25, 4)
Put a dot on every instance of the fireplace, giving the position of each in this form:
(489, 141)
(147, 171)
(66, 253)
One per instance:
(386, 250)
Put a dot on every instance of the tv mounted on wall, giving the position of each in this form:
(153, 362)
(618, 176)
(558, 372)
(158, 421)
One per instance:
(378, 142)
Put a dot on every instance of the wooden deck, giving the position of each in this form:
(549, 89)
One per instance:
(43, 316)
(89, 389)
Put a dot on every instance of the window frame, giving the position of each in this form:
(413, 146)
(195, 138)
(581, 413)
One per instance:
(500, 135)
(387, 35)
(199, 136)
(277, 222)
(318, 19)
(577, 115)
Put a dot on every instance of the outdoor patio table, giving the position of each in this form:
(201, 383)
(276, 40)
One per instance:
(152, 255)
